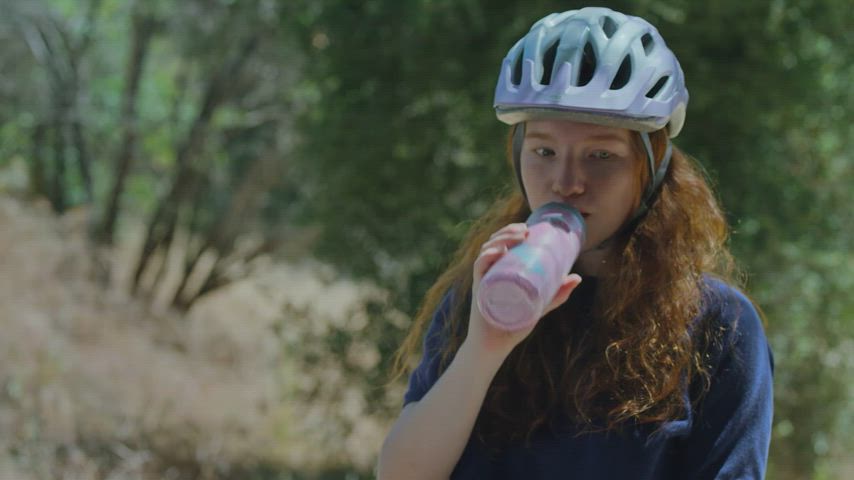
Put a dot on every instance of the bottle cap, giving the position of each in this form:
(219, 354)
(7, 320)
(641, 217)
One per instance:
(562, 216)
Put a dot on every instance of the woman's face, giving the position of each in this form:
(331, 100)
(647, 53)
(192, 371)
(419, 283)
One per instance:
(590, 167)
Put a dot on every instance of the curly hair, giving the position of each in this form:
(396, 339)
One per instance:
(633, 363)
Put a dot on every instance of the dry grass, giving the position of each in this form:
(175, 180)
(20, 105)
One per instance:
(93, 385)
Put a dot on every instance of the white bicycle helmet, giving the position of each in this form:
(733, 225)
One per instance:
(593, 65)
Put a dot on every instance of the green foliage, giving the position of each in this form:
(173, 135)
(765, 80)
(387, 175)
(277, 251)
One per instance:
(402, 111)
(401, 150)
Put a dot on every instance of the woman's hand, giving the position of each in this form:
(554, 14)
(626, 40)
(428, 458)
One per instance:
(484, 336)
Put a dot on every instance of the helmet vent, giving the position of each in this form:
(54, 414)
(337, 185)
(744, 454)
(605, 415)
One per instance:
(516, 79)
(657, 87)
(548, 63)
(588, 65)
(648, 43)
(609, 26)
(623, 74)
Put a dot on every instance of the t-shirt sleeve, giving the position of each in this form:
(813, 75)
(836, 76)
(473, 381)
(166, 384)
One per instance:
(731, 428)
(427, 372)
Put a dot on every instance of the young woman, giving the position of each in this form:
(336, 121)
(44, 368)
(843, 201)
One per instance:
(647, 364)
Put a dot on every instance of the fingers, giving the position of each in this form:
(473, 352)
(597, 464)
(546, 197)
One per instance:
(496, 246)
(486, 260)
(508, 236)
(569, 284)
(512, 227)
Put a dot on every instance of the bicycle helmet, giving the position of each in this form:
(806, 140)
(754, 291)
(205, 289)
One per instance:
(599, 66)
(593, 65)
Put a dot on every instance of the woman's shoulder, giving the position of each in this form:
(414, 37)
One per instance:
(723, 290)
(726, 304)
(733, 405)
(732, 321)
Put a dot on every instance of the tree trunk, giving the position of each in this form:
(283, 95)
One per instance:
(158, 233)
(57, 185)
(83, 160)
(52, 46)
(264, 173)
(143, 31)
(68, 84)
(38, 174)
(216, 278)
(165, 215)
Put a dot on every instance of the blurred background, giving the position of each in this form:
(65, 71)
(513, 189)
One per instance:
(217, 217)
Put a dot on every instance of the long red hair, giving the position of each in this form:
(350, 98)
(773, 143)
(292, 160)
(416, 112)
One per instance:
(630, 364)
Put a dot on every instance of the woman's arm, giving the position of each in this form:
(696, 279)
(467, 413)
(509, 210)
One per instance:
(428, 438)
(431, 433)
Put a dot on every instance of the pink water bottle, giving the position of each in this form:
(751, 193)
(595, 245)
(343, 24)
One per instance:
(516, 290)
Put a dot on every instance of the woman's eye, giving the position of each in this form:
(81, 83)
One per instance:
(544, 152)
(602, 154)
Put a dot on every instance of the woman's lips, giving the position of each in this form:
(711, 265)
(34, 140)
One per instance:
(583, 213)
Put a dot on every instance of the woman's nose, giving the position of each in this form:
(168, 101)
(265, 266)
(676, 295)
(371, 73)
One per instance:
(569, 180)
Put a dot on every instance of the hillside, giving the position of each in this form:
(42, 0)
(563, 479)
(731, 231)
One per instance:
(97, 385)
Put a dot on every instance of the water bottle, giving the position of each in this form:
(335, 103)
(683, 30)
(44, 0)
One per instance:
(516, 290)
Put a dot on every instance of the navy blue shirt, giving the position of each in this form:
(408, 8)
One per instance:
(724, 436)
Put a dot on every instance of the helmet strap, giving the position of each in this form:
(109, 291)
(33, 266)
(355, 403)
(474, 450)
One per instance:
(656, 176)
(518, 139)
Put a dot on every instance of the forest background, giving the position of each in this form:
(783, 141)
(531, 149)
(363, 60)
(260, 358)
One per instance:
(217, 217)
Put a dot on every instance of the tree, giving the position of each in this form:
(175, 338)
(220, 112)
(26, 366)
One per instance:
(60, 52)
(247, 117)
(143, 27)
(402, 121)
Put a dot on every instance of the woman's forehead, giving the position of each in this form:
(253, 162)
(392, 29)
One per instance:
(560, 128)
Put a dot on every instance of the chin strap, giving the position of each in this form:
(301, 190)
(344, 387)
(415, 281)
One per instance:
(518, 138)
(656, 177)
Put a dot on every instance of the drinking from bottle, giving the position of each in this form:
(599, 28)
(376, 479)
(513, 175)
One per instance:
(516, 290)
